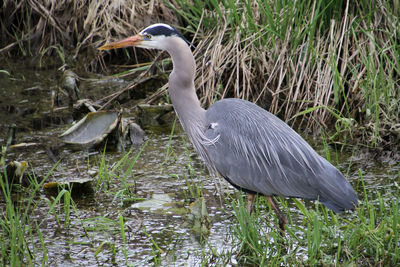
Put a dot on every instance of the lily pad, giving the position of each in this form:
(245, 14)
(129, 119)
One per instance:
(92, 129)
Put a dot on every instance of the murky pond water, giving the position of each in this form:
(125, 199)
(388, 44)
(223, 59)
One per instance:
(166, 171)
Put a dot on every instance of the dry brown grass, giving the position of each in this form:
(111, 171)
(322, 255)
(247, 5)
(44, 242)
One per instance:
(281, 80)
(325, 75)
(74, 24)
(330, 76)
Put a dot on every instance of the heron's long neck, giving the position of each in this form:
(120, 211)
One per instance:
(183, 95)
(181, 86)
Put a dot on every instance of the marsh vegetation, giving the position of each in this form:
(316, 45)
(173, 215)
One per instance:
(331, 69)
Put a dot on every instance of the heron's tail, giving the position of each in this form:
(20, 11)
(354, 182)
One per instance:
(336, 192)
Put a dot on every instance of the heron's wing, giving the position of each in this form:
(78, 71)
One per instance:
(257, 151)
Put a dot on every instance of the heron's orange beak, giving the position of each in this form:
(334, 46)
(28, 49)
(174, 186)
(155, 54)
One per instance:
(130, 41)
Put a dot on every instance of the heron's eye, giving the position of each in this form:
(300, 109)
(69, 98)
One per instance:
(148, 36)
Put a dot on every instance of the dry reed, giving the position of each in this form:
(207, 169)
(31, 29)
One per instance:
(310, 68)
(75, 24)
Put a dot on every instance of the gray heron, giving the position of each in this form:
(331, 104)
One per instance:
(251, 148)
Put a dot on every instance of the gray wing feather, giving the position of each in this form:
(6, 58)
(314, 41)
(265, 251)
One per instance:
(259, 152)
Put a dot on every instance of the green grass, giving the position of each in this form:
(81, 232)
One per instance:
(288, 56)
(321, 65)
(258, 240)
(157, 251)
(124, 249)
(23, 242)
(15, 229)
(194, 188)
(303, 58)
(369, 236)
(314, 234)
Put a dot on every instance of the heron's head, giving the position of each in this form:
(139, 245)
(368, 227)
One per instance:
(155, 36)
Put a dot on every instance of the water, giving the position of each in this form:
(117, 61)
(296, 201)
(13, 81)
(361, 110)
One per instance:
(161, 236)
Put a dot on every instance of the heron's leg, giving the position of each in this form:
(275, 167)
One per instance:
(281, 217)
(250, 198)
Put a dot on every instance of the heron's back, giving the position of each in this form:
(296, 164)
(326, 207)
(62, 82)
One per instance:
(258, 152)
